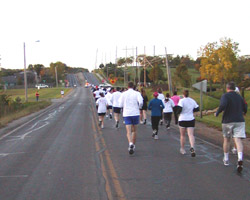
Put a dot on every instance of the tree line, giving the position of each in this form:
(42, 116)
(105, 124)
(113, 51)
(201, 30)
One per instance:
(217, 62)
(44, 74)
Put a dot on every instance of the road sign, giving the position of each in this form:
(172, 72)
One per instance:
(201, 85)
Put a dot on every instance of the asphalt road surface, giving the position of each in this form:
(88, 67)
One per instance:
(72, 80)
(91, 78)
(62, 154)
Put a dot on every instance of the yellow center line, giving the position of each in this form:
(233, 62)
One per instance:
(104, 171)
(114, 176)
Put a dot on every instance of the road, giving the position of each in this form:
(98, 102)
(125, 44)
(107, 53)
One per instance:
(62, 154)
(72, 80)
(91, 78)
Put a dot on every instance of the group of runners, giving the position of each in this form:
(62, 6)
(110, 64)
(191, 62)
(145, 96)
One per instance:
(134, 105)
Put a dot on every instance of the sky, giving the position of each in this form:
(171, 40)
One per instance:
(71, 31)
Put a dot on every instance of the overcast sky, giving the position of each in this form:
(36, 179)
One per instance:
(71, 31)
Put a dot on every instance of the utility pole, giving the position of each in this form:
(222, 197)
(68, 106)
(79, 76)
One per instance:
(115, 60)
(25, 75)
(96, 59)
(168, 73)
(154, 50)
(145, 82)
(136, 65)
(56, 76)
(125, 68)
(107, 72)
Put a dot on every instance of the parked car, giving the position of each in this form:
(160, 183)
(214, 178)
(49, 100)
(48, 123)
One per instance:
(38, 86)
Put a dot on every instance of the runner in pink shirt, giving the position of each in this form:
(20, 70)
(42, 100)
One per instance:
(176, 100)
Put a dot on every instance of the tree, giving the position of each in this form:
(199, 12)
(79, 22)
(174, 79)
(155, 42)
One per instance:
(101, 66)
(60, 70)
(209, 63)
(156, 74)
(219, 62)
(142, 76)
(182, 76)
(186, 60)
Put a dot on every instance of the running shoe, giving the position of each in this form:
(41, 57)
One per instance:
(192, 152)
(145, 121)
(234, 150)
(182, 151)
(141, 122)
(117, 125)
(226, 162)
(131, 149)
(107, 116)
(240, 166)
(156, 137)
(102, 126)
(161, 122)
(154, 133)
(100, 122)
(110, 116)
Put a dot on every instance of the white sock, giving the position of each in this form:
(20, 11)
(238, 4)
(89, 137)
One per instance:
(226, 155)
(240, 155)
(130, 143)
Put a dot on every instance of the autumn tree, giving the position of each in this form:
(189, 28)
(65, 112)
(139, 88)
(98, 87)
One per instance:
(181, 76)
(219, 62)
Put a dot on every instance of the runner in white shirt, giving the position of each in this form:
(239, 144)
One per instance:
(161, 97)
(108, 96)
(186, 107)
(168, 110)
(102, 108)
(62, 93)
(97, 94)
(131, 101)
(115, 103)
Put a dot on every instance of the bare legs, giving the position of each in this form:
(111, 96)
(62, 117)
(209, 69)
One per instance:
(239, 146)
(190, 132)
(131, 133)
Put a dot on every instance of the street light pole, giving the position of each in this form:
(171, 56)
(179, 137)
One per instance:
(25, 75)
(56, 76)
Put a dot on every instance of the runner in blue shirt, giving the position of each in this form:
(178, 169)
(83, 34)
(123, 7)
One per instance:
(156, 106)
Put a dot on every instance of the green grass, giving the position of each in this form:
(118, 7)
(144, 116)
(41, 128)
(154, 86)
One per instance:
(45, 94)
(31, 106)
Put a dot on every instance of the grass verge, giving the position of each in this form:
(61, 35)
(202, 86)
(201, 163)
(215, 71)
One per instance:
(27, 109)
(45, 96)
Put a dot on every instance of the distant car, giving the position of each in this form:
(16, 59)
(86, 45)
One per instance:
(41, 86)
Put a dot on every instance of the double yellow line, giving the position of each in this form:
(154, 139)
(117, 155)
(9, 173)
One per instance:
(105, 158)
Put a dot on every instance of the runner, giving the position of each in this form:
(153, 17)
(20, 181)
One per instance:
(156, 106)
(176, 100)
(168, 110)
(161, 97)
(131, 101)
(115, 102)
(96, 93)
(62, 93)
(102, 108)
(37, 96)
(186, 107)
(108, 97)
(143, 110)
(233, 122)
